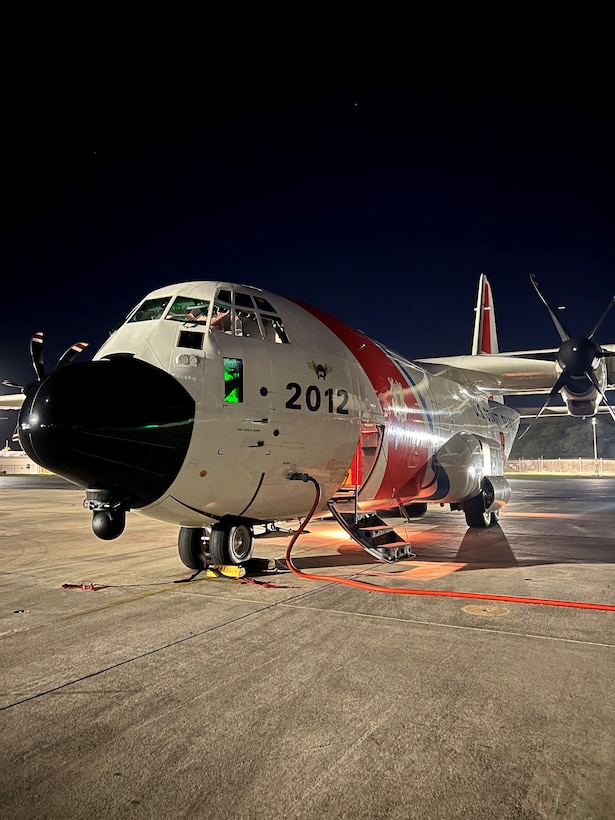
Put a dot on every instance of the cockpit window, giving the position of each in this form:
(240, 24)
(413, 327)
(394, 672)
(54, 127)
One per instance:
(150, 309)
(246, 324)
(240, 314)
(243, 300)
(263, 304)
(188, 309)
(274, 330)
(234, 313)
(221, 318)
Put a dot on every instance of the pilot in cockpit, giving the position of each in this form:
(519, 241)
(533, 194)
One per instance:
(195, 314)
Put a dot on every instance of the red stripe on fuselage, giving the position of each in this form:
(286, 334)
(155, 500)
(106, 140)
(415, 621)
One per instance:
(485, 346)
(407, 449)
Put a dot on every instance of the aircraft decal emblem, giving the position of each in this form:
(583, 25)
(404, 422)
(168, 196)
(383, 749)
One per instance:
(399, 408)
(321, 370)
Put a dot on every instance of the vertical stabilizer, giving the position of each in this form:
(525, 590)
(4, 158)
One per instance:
(485, 334)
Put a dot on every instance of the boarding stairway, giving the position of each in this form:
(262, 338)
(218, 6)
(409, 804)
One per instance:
(368, 529)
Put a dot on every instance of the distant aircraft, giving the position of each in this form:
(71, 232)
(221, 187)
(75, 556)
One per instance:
(217, 406)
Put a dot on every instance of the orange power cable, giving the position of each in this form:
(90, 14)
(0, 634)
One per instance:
(438, 593)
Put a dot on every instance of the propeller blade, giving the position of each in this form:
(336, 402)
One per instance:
(601, 319)
(563, 333)
(70, 354)
(592, 377)
(554, 391)
(36, 353)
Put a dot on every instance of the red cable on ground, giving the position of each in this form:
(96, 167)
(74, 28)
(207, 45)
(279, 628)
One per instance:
(438, 593)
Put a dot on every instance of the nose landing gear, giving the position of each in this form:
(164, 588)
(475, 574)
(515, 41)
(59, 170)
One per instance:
(192, 545)
(231, 543)
(228, 542)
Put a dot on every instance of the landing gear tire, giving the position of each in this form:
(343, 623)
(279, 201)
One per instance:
(476, 514)
(230, 544)
(415, 510)
(191, 547)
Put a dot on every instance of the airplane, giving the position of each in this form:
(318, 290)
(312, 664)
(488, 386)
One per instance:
(222, 407)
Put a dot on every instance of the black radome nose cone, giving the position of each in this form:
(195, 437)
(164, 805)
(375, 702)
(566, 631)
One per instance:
(118, 423)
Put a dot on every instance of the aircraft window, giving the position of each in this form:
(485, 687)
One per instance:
(150, 309)
(221, 317)
(233, 380)
(243, 300)
(191, 339)
(274, 330)
(188, 309)
(263, 304)
(246, 324)
(225, 296)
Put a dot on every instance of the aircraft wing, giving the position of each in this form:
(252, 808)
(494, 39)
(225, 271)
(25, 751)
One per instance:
(516, 372)
(12, 401)
(550, 355)
(498, 373)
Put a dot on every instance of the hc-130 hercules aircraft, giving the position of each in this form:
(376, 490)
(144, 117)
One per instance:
(214, 405)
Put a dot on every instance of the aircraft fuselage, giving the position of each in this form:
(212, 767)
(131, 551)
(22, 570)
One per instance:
(225, 408)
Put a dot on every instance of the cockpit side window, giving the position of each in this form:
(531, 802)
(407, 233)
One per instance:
(243, 300)
(263, 304)
(246, 324)
(240, 314)
(222, 317)
(150, 309)
(274, 330)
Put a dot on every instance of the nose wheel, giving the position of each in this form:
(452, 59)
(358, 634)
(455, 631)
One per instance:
(192, 547)
(230, 543)
(227, 543)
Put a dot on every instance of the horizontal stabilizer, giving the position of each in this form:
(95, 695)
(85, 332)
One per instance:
(12, 401)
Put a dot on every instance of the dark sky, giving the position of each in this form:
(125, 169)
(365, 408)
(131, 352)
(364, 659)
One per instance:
(380, 202)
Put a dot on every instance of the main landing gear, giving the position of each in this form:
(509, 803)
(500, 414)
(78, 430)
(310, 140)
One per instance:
(475, 510)
(227, 542)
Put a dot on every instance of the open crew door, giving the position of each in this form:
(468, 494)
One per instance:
(367, 529)
(368, 447)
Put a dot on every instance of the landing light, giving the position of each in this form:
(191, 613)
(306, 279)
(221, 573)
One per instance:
(187, 358)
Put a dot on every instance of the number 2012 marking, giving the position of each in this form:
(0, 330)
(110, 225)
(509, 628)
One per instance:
(313, 398)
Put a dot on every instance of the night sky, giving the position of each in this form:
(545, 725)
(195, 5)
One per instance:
(380, 203)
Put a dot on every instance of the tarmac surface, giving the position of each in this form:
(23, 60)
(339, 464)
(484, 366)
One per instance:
(127, 694)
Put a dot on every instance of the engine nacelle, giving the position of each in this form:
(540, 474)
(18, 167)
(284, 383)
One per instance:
(462, 465)
(497, 490)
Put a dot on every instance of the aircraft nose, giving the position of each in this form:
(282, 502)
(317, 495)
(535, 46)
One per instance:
(118, 423)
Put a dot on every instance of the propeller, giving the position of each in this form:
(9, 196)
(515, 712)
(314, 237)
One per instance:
(36, 354)
(576, 357)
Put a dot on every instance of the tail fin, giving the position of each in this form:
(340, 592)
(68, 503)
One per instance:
(485, 333)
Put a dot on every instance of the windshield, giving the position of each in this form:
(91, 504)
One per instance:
(150, 309)
(189, 309)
